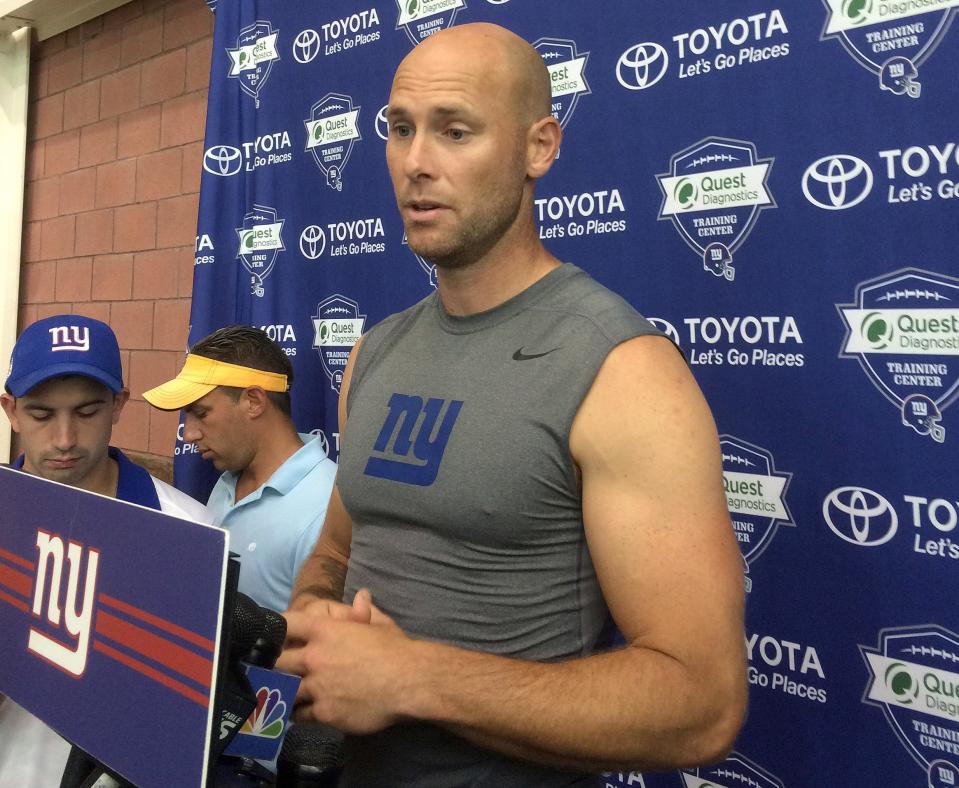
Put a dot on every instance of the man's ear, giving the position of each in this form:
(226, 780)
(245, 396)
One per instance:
(9, 404)
(119, 400)
(255, 401)
(542, 146)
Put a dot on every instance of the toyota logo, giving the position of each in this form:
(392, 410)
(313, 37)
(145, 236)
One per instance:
(838, 181)
(382, 124)
(666, 327)
(321, 437)
(222, 160)
(860, 516)
(306, 46)
(312, 241)
(642, 66)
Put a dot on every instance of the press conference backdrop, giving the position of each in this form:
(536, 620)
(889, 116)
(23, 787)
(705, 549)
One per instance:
(776, 185)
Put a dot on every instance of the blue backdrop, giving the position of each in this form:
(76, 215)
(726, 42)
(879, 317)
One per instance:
(776, 186)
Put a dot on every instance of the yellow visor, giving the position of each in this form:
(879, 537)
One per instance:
(200, 375)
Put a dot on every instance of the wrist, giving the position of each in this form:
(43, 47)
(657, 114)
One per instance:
(419, 692)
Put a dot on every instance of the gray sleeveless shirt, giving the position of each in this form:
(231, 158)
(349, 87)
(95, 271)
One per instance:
(466, 507)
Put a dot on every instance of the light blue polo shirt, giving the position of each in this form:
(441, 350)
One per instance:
(275, 527)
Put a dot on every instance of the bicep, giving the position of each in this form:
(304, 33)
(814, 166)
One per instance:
(654, 507)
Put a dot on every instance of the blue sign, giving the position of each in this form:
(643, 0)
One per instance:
(111, 615)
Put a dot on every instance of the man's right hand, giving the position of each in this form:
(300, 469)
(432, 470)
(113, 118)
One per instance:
(360, 612)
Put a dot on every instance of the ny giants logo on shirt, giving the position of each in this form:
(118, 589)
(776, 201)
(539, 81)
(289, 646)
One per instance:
(397, 438)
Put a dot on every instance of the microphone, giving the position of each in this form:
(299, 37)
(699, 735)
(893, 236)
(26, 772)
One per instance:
(312, 757)
(268, 645)
(236, 699)
(260, 637)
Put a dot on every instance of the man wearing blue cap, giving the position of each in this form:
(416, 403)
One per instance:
(64, 393)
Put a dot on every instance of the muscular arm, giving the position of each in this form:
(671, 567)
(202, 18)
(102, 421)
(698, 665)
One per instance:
(663, 549)
(323, 573)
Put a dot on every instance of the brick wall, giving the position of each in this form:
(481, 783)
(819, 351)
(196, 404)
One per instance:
(114, 153)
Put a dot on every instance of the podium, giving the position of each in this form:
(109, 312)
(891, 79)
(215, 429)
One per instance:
(111, 616)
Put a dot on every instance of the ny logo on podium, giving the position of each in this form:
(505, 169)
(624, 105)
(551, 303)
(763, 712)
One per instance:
(73, 660)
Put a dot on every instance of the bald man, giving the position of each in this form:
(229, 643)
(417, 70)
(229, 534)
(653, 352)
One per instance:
(523, 459)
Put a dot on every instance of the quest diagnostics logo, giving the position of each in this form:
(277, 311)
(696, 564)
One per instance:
(253, 58)
(260, 241)
(734, 772)
(713, 194)
(890, 38)
(337, 327)
(422, 18)
(331, 131)
(755, 497)
(914, 680)
(903, 328)
(566, 72)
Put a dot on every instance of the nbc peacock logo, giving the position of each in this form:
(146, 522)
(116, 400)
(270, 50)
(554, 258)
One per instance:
(266, 720)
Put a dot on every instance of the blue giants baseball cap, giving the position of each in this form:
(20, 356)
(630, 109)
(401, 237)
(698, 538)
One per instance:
(65, 345)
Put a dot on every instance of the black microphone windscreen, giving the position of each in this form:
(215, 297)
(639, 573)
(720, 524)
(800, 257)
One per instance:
(248, 624)
(269, 644)
(312, 754)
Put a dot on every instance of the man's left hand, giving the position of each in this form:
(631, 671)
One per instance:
(353, 672)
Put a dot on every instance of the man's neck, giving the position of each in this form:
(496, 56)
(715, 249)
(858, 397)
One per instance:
(103, 479)
(508, 269)
(281, 442)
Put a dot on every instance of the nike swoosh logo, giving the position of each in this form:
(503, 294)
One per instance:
(519, 355)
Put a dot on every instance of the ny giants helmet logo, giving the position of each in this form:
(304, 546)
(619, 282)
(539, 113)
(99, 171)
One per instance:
(913, 679)
(713, 194)
(903, 328)
(889, 39)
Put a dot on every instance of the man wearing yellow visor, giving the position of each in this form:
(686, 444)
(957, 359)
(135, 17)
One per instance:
(276, 483)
